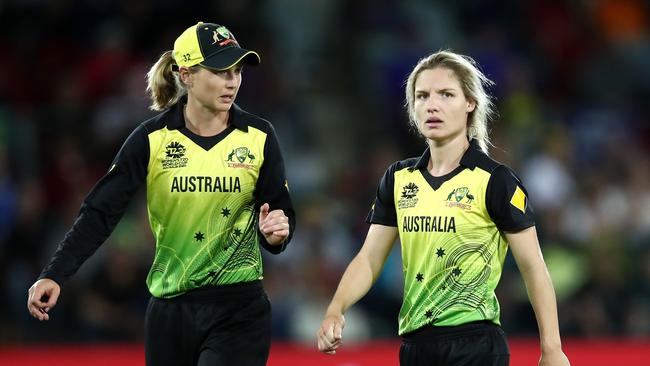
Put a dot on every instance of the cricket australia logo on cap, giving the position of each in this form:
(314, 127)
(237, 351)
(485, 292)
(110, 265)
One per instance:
(223, 37)
(408, 198)
(238, 158)
(174, 156)
(456, 197)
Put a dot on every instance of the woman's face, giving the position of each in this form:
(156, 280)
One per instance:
(215, 90)
(440, 105)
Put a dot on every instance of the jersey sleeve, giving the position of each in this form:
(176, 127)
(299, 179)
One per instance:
(507, 201)
(272, 188)
(102, 208)
(383, 209)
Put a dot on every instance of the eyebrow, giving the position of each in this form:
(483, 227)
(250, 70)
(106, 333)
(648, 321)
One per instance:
(448, 89)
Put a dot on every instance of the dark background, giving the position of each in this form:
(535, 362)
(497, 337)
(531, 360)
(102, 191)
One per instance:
(572, 90)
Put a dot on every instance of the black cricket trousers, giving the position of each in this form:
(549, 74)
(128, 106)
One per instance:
(223, 325)
(473, 344)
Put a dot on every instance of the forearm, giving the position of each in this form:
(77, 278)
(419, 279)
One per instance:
(89, 231)
(355, 283)
(542, 298)
(102, 208)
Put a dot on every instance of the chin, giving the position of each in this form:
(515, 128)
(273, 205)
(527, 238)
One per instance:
(221, 107)
(434, 135)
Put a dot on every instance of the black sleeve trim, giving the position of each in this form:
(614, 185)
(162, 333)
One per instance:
(501, 187)
(102, 208)
(383, 210)
(272, 188)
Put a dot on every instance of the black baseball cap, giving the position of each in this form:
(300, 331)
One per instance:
(211, 45)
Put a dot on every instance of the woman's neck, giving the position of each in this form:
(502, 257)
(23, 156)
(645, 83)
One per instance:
(204, 122)
(445, 156)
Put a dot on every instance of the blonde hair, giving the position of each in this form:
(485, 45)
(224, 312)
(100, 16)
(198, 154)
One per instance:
(163, 84)
(472, 82)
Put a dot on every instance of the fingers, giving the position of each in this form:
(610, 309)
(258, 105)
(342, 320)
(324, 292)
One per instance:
(274, 225)
(42, 297)
(281, 233)
(36, 307)
(338, 331)
(54, 297)
(275, 221)
(329, 333)
(275, 229)
(264, 211)
(326, 344)
(329, 337)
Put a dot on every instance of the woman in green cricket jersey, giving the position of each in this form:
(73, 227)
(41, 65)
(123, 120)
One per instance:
(456, 211)
(216, 191)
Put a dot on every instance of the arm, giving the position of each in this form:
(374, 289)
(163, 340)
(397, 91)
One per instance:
(527, 253)
(356, 282)
(277, 220)
(100, 212)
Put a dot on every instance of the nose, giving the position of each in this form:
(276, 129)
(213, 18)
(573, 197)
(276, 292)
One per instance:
(432, 105)
(230, 78)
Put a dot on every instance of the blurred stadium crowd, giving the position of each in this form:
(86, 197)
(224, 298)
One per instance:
(572, 87)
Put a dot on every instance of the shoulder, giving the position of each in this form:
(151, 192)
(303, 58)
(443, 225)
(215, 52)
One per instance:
(159, 121)
(499, 173)
(485, 162)
(401, 165)
(248, 119)
(504, 174)
(409, 163)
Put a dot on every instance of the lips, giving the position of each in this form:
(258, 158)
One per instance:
(227, 98)
(433, 122)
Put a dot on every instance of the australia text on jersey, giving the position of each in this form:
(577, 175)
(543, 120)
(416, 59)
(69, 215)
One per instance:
(441, 224)
(205, 184)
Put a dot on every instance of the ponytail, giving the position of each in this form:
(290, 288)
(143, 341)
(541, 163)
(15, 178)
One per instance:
(163, 85)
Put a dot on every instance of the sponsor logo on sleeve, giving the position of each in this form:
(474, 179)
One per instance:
(518, 200)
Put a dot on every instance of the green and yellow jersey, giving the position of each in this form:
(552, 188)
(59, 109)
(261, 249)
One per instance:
(203, 200)
(451, 230)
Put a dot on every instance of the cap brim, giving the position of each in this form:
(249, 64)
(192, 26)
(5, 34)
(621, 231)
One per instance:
(230, 57)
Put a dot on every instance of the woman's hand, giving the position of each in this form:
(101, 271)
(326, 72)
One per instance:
(42, 297)
(556, 358)
(330, 334)
(273, 225)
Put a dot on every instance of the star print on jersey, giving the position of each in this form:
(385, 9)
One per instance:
(456, 272)
(237, 232)
(419, 277)
(212, 273)
(428, 314)
(198, 236)
(225, 212)
(440, 252)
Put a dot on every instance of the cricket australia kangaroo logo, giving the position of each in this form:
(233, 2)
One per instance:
(222, 36)
(237, 158)
(174, 156)
(408, 199)
(457, 196)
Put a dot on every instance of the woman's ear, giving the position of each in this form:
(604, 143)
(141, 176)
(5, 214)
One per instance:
(185, 76)
(470, 106)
